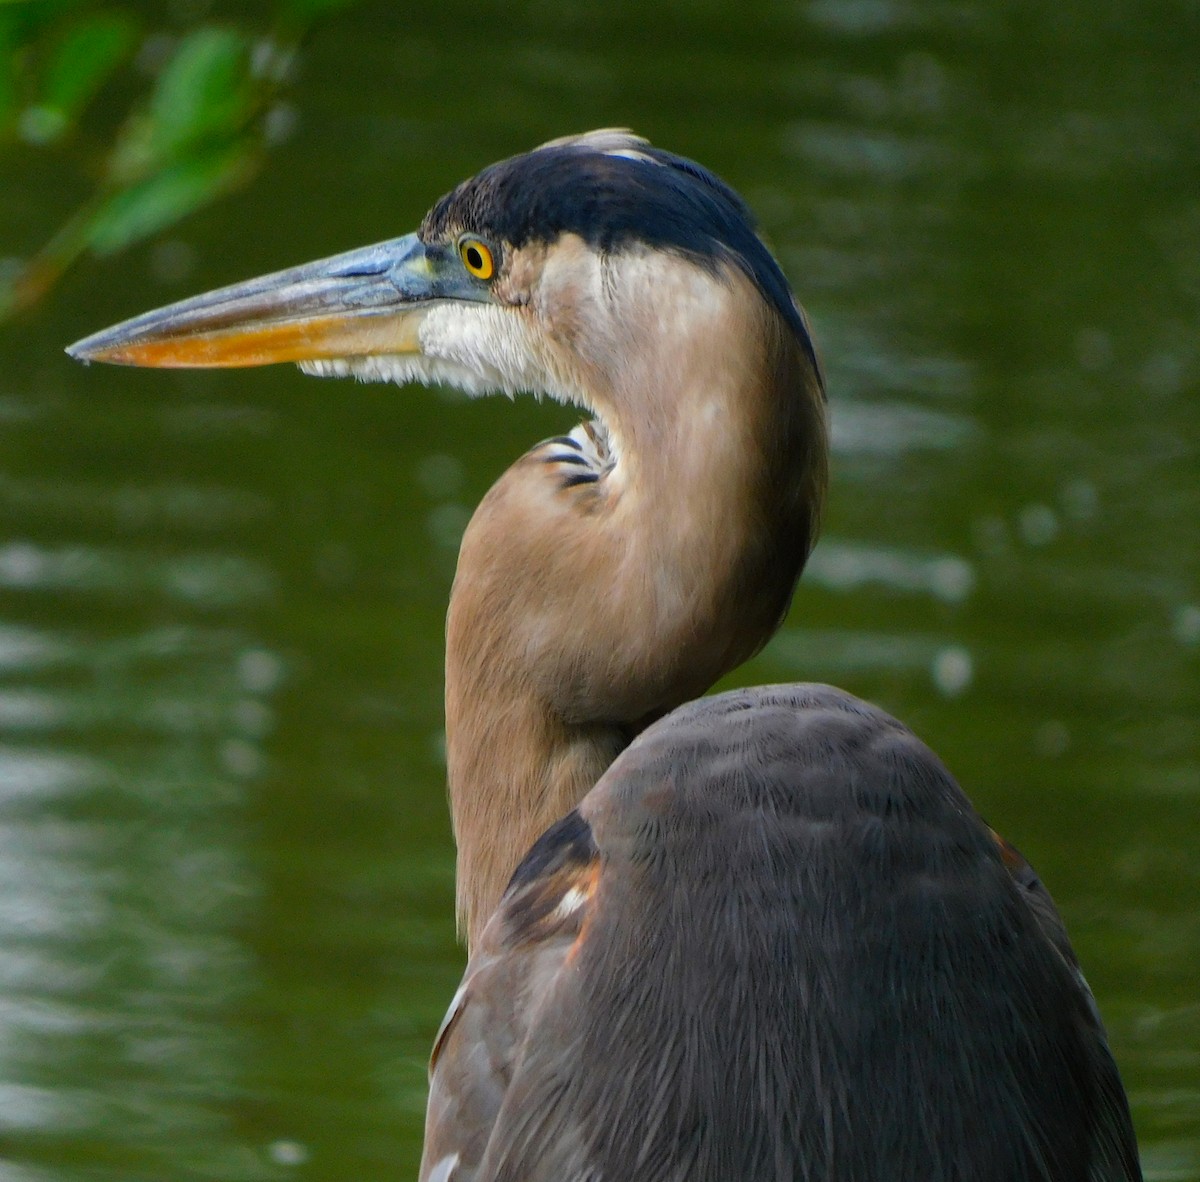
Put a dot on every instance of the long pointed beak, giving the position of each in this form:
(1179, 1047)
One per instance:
(366, 302)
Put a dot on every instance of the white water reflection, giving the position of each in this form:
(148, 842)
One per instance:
(123, 883)
(881, 155)
(30, 773)
(132, 507)
(849, 566)
(892, 429)
(206, 580)
(834, 654)
(27, 648)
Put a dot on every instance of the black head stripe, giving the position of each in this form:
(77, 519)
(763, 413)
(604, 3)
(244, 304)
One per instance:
(613, 201)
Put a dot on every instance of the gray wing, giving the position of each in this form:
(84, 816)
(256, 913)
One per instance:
(1116, 1157)
(776, 942)
(521, 954)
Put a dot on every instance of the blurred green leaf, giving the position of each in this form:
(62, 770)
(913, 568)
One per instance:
(26, 19)
(203, 93)
(198, 133)
(86, 56)
(167, 196)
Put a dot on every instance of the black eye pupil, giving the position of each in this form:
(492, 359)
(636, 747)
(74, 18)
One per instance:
(474, 258)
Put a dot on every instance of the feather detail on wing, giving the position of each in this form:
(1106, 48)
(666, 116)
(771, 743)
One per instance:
(539, 923)
(1115, 1150)
(775, 942)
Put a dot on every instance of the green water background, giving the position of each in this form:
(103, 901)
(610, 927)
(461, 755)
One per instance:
(226, 931)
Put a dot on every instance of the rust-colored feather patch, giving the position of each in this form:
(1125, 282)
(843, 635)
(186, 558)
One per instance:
(549, 894)
(1013, 859)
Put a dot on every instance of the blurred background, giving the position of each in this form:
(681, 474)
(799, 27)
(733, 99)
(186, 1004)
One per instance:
(226, 920)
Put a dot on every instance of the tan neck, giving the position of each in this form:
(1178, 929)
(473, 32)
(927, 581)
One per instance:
(578, 616)
(514, 771)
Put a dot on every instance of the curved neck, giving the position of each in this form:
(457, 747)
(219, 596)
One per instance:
(582, 612)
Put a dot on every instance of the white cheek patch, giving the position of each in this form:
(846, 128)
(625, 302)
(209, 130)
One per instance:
(487, 341)
(400, 369)
(473, 347)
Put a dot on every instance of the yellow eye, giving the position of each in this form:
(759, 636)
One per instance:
(477, 258)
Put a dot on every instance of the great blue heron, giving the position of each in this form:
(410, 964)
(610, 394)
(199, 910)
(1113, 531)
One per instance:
(772, 939)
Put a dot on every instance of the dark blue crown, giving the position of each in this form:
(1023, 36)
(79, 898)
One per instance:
(613, 201)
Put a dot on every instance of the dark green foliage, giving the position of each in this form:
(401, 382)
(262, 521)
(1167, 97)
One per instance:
(163, 120)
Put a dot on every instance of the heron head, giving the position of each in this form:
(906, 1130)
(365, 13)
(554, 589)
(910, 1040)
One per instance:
(561, 272)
